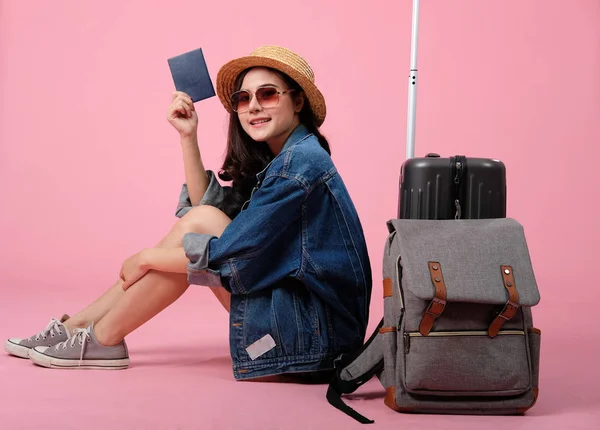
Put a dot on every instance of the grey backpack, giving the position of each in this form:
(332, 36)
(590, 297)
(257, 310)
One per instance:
(457, 336)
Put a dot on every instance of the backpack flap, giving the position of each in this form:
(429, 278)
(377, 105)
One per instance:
(482, 261)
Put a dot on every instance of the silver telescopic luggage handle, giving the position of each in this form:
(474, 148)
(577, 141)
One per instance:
(412, 83)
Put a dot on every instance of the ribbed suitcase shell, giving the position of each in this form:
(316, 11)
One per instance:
(427, 189)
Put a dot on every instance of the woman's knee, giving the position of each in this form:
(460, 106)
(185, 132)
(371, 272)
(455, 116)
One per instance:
(204, 219)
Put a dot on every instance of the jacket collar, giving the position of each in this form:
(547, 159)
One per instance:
(299, 134)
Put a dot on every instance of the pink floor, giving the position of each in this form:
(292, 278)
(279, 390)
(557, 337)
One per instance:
(180, 378)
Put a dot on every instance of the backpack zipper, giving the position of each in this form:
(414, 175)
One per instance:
(399, 293)
(408, 335)
(398, 283)
(465, 333)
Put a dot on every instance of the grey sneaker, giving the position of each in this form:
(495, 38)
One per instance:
(54, 333)
(81, 351)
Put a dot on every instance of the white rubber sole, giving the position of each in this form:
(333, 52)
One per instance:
(59, 363)
(17, 350)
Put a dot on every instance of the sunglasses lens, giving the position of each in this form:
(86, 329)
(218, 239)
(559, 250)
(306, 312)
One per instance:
(240, 101)
(267, 97)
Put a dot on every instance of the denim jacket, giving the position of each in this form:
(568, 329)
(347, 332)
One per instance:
(295, 261)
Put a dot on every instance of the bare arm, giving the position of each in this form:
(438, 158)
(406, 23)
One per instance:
(195, 174)
(182, 115)
(172, 260)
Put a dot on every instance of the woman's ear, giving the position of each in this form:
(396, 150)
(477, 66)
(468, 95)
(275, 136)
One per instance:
(298, 102)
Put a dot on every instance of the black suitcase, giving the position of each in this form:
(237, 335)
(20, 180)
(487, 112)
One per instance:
(456, 187)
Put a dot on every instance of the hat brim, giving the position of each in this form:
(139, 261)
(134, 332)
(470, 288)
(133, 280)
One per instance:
(231, 70)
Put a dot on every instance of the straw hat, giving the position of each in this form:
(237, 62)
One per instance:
(278, 58)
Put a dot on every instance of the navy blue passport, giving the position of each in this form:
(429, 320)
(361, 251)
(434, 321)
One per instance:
(190, 75)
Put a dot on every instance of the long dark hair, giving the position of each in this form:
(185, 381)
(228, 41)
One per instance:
(245, 157)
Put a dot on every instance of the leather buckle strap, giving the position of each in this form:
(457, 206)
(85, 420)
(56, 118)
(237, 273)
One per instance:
(512, 305)
(509, 310)
(436, 307)
(438, 303)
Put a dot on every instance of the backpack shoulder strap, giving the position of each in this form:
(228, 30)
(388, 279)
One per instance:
(354, 369)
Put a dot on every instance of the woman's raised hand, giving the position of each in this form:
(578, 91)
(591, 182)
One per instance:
(182, 115)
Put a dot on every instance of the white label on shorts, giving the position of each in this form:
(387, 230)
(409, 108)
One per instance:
(261, 346)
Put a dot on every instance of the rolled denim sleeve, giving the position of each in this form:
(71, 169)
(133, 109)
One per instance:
(243, 251)
(196, 250)
(215, 195)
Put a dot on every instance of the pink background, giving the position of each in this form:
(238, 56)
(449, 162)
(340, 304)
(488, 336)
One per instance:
(90, 172)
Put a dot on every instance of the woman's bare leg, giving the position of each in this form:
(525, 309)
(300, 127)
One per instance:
(100, 307)
(157, 290)
(97, 309)
(193, 221)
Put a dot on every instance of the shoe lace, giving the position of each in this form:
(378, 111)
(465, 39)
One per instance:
(81, 335)
(53, 327)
